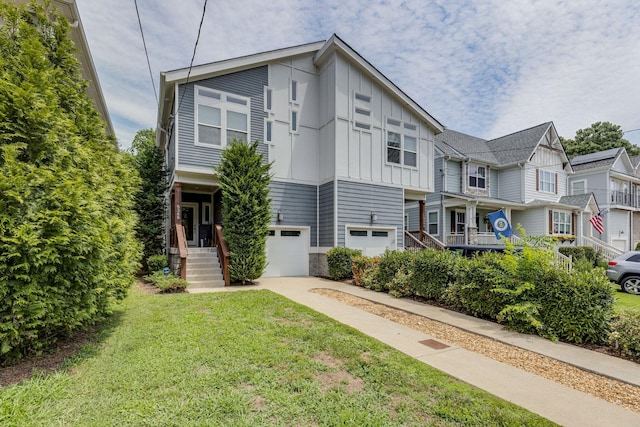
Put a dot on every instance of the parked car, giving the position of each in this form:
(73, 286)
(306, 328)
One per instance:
(470, 250)
(625, 271)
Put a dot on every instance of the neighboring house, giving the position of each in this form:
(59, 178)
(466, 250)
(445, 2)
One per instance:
(524, 173)
(69, 10)
(612, 177)
(348, 147)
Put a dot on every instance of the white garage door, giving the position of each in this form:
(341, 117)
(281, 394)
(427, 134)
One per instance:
(372, 241)
(287, 252)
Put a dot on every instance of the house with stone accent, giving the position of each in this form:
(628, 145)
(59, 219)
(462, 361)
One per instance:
(524, 173)
(349, 149)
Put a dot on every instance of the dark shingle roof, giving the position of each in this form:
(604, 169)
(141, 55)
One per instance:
(462, 145)
(580, 200)
(519, 146)
(595, 160)
(635, 161)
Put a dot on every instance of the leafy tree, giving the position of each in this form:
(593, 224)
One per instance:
(244, 180)
(67, 244)
(146, 157)
(598, 137)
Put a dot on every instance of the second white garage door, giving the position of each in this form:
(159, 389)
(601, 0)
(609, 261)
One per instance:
(372, 241)
(287, 252)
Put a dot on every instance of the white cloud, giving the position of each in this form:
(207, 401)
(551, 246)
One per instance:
(483, 67)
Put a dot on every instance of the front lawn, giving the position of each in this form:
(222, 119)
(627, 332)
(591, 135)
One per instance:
(625, 300)
(245, 359)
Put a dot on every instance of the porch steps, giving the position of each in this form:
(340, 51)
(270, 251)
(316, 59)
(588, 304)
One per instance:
(203, 269)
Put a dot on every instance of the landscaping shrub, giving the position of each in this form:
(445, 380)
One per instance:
(156, 262)
(169, 283)
(578, 307)
(432, 271)
(390, 263)
(401, 285)
(580, 253)
(362, 267)
(340, 261)
(625, 333)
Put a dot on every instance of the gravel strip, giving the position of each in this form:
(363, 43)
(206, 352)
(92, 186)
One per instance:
(605, 388)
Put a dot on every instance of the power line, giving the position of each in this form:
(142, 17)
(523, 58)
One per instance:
(146, 53)
(195, 47)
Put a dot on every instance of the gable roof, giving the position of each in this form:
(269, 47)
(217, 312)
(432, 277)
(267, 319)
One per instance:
(322, 50)
(635, 161)
(461, 145)
(605, 158)
(580, 201)
(519, 146)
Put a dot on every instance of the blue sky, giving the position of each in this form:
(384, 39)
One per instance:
(486, 68)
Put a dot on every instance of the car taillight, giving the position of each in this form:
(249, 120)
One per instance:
(613, 262)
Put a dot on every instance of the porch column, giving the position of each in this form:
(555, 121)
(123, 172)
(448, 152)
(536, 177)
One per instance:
(421, 216)
(471, 232)
(177, 203)
(580, 232)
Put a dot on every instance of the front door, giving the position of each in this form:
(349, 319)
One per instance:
(190, 222)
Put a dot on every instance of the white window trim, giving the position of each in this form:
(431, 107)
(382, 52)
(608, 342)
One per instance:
(403, 131)
(437, 223)
(291, 84)
(224, 107)
(295, 131)
(581, 181)
(268, 89)
(553, 225)
(541, 181)
(477, 176)
(266, 125)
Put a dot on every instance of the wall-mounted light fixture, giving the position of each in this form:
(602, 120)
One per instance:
(374, 217)
(280, 216)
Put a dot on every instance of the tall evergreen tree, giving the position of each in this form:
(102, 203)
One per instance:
(67, 244)
(149, 204)
(246, 208)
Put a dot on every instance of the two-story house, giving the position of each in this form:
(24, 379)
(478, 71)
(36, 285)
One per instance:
(524, 173)
(612, 177)
(349, 149)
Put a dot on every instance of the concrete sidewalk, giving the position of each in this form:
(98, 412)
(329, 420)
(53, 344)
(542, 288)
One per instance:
(549, 399)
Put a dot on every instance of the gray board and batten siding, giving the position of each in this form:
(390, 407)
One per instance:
(249, 83)
(357, 200)
(298, 204)
(326, 214)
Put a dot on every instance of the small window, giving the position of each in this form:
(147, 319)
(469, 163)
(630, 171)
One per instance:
(268, 99)
(410, 126)
(410, 151)
(394, 146)
(578, 187)
(363, 126)
(272, 232)
(432, 223)
(294, 90)
(561, 222)
(268, 131)
(294, 121)
(236, 100)
(477, 176)
(358, 233)
(290, 233)
(208, 94)
(364, 98)
(394, 122)
(380, 234)
(363, 111)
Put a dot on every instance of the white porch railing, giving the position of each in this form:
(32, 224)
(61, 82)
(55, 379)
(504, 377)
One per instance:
(607, 251)
(481, 238)
(564, 262)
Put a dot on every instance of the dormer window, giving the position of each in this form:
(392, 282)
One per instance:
(477, 176)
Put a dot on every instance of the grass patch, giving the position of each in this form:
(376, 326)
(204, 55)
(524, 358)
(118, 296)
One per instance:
(246, 359)
(625, 300)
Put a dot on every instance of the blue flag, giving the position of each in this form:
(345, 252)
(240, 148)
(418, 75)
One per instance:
(500, 224)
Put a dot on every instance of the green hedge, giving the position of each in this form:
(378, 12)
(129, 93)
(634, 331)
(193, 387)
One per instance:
(580, 253)
(156, 262)
(340, 261)
(624, 335)
(433, 271)
(167, 283)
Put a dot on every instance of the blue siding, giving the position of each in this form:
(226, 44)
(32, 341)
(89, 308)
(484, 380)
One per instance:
(437, 188)
(248, 83)
(171, 155)
(357, 200)
(326, 214)
(494, 183)
(413, 213)
(298, 203)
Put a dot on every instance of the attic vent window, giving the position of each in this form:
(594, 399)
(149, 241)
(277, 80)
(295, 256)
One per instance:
(364, 98)
(361, 112)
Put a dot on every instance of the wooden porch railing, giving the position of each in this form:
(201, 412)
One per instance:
(181, 241)
(412, 244)
(607, 251)
(426, 239)
(223, 254)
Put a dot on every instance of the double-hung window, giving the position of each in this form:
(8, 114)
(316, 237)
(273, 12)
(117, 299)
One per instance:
(220, 117)
(477, 176)
(561, 222)
(402, 143)
(547, 181)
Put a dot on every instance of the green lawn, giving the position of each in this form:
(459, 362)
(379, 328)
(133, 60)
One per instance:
(625, 300)
(245, 359)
